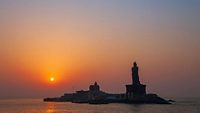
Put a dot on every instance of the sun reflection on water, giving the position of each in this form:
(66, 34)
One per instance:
(50, 108)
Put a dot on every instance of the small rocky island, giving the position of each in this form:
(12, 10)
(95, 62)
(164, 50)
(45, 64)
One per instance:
(135, 94)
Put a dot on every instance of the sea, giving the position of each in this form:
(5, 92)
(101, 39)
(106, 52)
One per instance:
(182, 105)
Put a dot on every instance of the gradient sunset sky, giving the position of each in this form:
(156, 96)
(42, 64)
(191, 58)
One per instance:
(79, 42)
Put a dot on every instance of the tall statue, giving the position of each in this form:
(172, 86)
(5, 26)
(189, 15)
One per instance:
(135, 76)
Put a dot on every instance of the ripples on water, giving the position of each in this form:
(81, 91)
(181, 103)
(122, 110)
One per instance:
(38, 106)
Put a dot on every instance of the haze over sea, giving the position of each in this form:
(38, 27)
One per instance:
(183, 105)
(51, 47)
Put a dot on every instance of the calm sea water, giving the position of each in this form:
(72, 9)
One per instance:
(38, 106)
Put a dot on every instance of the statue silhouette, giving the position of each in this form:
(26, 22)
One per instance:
(135, 76)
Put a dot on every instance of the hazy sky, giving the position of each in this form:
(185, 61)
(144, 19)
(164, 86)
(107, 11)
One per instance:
(82, 41)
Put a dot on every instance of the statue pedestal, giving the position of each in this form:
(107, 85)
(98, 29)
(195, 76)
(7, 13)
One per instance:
(135, 89)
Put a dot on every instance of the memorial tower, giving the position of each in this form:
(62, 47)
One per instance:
(136, 88)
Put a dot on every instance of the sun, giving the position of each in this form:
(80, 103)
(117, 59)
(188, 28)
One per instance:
(52, 79)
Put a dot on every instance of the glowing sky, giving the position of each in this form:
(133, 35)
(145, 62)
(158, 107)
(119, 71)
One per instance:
(81, 41)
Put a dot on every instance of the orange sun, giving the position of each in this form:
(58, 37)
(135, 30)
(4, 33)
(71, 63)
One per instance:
(52, 79)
